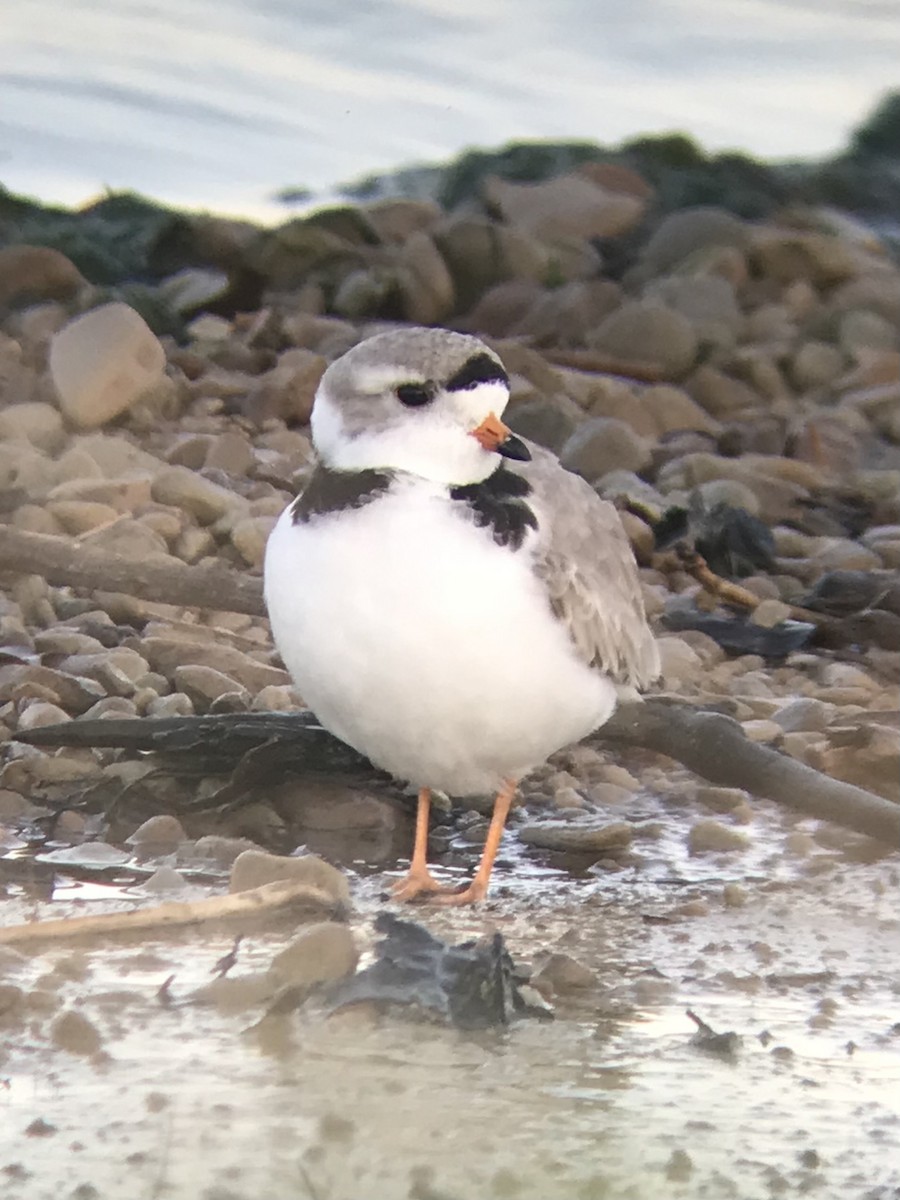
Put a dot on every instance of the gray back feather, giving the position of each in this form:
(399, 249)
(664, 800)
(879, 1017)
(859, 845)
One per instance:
(584, 560)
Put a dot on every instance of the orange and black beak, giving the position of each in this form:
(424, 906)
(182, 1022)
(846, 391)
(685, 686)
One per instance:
(492, 434)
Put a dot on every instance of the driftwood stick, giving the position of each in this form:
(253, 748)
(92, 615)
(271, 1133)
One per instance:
(715, 747)
(64, 562)
(282, 897)
(712, 745)
(696, 566)
(595, 361)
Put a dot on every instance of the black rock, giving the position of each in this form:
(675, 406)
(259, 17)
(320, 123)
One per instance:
(737, 635)
(733, 542)
(472, 985)
(844, 593)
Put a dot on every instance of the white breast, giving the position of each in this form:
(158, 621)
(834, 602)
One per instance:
(417, 640)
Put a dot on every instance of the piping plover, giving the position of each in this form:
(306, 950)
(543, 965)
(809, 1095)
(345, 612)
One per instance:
(450, 601)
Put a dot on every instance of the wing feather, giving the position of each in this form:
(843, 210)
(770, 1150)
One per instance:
(584, 559)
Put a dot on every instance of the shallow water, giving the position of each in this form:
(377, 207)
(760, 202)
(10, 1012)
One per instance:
(611, 1100)
(219, 104)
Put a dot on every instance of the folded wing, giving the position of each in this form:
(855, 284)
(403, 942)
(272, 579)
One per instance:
(584, 560)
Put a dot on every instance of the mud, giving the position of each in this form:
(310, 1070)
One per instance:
(792, 944)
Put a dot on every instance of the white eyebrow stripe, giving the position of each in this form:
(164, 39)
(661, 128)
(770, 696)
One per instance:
(374, 380)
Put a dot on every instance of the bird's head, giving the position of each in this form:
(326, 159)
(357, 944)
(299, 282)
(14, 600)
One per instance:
(426, 401)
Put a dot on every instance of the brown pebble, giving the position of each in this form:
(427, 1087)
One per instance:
(160, 832)
(12, 1000)
(712, 837)
(252, 868)
(734, 895)
(41, 713)
(323, 953)
(586, 839)
(680, 1167)
(69, 824)
(37, 273)
(721, 799)
(561, 972)
(40, 1128)
(72, 1031)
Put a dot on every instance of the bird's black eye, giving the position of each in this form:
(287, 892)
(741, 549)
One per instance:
(414, 395)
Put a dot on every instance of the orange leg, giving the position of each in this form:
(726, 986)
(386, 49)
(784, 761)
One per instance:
(477, 889)
(418, 882)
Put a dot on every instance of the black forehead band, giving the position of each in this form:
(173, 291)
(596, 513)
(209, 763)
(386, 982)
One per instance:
(480, 368)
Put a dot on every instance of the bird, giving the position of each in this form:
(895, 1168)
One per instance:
(449, 600)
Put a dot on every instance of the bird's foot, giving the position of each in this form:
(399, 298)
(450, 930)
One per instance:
(417, 885)
(476, 890)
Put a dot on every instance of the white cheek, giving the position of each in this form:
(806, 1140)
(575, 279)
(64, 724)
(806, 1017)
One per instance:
(474, 404)
(434, 444)
(326, 426)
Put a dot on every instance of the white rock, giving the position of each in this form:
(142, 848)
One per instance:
(770, 613)
(102, 362)
(679, 661)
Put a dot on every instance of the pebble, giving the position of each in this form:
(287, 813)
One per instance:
(712, 837)
(203, 685)
(719, 394)
(845, 675)
(30, 273)
(123, 495)
(559, 973)
(177, 704)
(708, 301)
(567, 206)
(323, 953)
(193, 544)
(612, 795)
(770, 613)
(577, 838)
(721, 799)
(604, 444)
(734, 895)
(288, 389)
(164, 879)
(681, 235)
(72, 693)
(679, 661)
(249, 537)
(672, 409)
(802, 714)
(81, 516)
(761, 731)
(806, 747)
(568, 797)
(276, 698)
(167, 654)
(680, 1166)
(221, 851)
(815, 364)
(103, 362)
(480, 254)
(647, 331)
(252, 868)
(74, 1032)
(41, 713)
(185, 489)
(32, 421)
(230, 451)
(843, 554)
(158, 835)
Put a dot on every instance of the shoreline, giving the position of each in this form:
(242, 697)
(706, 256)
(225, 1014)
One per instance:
(857, 178)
